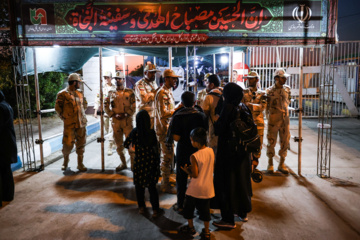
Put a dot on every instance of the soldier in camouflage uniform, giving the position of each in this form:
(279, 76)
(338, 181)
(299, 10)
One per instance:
(145, 90)
(277, 113)
(164, 109)
(120, 106)
(70, 106)
(255, 100)
(107, 87)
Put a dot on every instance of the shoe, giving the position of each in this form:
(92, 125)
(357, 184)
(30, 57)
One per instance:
(142, 210)
(168, 189)
(188, 230)
(205, 235)
(270, 169)
(121, 167)
(282, 168)
(157, 213)
(245, 219)
(109, 151)
(81, 168)
(176, 208)
(222, 224)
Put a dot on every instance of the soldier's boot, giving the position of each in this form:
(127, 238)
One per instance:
(123, 165)
(110, 150)
(282, 168)
(65, 164)
(270, 167)
(81, 166)
(166, 186)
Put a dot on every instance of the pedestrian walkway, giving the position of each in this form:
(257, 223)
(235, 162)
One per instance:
(102, 205)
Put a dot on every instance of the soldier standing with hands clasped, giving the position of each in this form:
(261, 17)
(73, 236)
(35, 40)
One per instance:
(145, 90)
(70, 106)
(277, 113)
(120, 106)
(107, 87)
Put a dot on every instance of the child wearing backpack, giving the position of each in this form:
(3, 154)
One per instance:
(201, 187)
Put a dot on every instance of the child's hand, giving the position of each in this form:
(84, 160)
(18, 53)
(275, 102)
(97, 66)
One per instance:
(186, 168)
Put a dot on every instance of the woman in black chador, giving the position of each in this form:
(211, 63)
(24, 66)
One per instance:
(232, 174)
(146, 163)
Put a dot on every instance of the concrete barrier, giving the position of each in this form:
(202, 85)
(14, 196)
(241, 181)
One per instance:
(53, 145)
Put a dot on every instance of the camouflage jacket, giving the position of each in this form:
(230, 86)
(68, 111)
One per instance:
(120, 101)
(145, 96)
(278, 101)
(256, 102)
(71, 106)
(164, 109)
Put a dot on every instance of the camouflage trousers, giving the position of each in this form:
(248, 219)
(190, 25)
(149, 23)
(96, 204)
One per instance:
(167, 158)
(108, 129)
(120, 128)
(277, 126)
(73, 136)
(261, 134)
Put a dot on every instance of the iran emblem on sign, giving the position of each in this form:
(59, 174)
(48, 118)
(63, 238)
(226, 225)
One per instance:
(38, 16)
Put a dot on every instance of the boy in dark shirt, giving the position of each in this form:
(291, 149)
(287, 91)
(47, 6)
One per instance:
(183, 122)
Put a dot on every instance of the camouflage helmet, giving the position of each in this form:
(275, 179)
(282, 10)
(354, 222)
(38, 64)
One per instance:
(151, 68)
(280, 72)
(74, 77)
(119, 74)
(170, 73)
(107, 74)
(252, 74)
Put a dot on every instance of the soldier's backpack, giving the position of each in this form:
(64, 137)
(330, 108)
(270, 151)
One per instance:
(244, 130)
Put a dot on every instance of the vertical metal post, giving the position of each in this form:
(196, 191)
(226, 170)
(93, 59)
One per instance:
(214, 63)
(195, 85)
(102, 111)
(123, 63)
(187, 68)
(300, 107)
(170, 57)
(38, 110)
(155, 61)
(231, 64)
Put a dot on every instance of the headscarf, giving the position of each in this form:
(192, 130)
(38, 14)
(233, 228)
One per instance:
(143, 128)
(233, 93)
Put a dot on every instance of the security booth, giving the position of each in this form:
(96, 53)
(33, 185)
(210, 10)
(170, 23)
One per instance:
(257, 35)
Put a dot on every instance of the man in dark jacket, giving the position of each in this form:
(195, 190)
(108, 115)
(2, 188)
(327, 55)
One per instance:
(183, 122)
(8, 150)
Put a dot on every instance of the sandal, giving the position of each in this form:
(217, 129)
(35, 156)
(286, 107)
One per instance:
(187, 229)
(205, 235)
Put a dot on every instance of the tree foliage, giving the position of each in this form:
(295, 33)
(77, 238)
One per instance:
(138, 71)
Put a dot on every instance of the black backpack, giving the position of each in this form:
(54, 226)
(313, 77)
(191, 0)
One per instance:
(244, 130)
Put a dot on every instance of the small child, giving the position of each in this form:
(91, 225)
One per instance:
(146, 163)
(201, 186)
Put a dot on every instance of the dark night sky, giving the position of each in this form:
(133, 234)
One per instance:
(349, 20)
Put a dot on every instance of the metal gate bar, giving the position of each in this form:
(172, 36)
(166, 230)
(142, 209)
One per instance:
(24, 108)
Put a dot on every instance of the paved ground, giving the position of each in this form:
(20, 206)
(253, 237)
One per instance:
(102, 205)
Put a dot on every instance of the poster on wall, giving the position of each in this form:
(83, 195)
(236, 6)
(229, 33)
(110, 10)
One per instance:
(172, 22)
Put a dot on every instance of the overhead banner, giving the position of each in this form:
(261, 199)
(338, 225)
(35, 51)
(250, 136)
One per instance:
(241, 22)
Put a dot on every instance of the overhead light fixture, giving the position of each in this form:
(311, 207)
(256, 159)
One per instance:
(224, 59)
